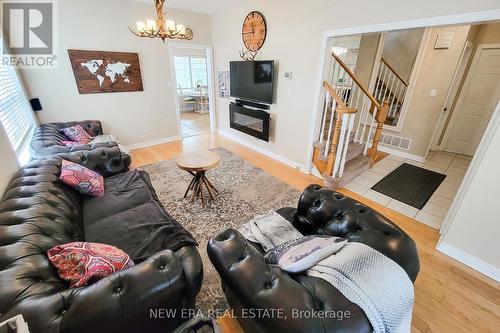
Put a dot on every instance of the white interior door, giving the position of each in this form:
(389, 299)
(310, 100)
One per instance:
(477, 102)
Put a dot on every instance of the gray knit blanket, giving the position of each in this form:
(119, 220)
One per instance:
(366, 277)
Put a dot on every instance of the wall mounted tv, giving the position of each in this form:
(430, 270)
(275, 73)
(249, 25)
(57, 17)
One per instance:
(252, 80)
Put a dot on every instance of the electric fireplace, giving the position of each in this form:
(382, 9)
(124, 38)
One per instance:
(250, 121)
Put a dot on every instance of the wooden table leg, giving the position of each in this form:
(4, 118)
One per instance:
(197, 184)
(209, 189)
(196, 187)
(212, 186)
(189, 187)
(202, 175)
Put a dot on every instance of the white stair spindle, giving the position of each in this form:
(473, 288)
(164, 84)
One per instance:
(341, 145)
(350, 126)
(325, 114)
(330, 128)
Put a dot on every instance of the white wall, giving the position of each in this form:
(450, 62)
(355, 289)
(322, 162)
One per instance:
(436, 72)
(294, 41)
(8, 158)
(134, 117)
(401, 49)
(472, 235)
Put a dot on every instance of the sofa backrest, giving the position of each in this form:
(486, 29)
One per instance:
(37, 212)
(325, 212)
(46, 140)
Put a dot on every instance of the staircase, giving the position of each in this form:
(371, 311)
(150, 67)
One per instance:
(338, 155)
(392, 87)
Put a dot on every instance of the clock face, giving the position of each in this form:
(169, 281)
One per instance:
(254, 31)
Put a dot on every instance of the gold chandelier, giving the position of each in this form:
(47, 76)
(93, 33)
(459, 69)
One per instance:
(160, 28)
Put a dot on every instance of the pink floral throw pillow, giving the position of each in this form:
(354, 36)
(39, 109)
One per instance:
(81, 262)
(78, 134)
(70, 143)
(82, 179)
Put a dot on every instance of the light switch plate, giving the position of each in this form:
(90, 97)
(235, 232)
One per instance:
(433, 93)
(288, 75)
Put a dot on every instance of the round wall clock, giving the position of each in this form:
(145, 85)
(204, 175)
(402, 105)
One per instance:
(254, 31)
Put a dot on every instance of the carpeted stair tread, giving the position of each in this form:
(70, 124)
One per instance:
(354, 150)
(352, 169)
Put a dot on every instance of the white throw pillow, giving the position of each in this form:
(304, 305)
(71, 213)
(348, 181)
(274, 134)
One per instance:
(104, 138)
(301, 254)
(107, 138)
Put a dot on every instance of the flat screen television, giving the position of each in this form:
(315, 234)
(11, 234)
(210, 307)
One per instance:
(252, 80)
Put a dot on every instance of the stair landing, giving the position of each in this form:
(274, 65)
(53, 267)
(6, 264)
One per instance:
(355, 165)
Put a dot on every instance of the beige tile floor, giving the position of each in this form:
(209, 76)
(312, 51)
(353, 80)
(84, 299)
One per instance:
(193, 123)
(434, 212)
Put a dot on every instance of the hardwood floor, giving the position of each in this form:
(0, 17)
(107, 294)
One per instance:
(449, 296)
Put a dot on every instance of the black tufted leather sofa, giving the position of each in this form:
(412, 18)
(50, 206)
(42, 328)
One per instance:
(251, 284)
(38, 212)
(46, 141)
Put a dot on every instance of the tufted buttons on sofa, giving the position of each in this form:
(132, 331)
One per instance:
(252, 284)
(38, 212)
(46, 142)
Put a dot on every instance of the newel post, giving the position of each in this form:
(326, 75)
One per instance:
(380, 118)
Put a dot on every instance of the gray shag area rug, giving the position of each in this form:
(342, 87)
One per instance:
(244, 192)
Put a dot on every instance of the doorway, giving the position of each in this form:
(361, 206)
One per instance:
(476, 103)
(193, 88)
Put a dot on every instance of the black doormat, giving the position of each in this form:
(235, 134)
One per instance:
(410, 184)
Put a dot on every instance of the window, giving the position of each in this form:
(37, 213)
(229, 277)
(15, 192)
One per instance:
(15, 113)
(190, 72)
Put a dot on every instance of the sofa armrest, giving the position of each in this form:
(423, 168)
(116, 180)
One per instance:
(134, 300)
(105, 158)
(258, 285)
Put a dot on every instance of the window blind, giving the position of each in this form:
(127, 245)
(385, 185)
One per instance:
(15, 113)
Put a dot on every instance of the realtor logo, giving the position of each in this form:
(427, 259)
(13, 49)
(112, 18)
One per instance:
(29, 31)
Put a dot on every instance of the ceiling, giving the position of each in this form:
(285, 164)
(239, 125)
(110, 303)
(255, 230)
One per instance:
(198, 6)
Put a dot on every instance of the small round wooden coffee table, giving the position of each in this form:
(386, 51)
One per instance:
(197, 164)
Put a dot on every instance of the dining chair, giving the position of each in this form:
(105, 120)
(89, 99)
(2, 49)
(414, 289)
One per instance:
(186, 100)
(203, 102)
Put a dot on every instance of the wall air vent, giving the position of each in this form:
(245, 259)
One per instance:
(443, 40)
(393, 141)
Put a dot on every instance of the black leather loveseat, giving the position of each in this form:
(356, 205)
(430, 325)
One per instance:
(38, 212)
(46, 141)
(262, 295)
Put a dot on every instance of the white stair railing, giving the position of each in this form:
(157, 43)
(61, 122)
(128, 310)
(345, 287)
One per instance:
(390, 86)
(355, 95)
(343, 96)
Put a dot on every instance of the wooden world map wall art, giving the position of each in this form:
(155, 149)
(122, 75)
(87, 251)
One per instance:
(105, 72)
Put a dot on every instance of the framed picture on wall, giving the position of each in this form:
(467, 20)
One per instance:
(106, 72)
(223, 83)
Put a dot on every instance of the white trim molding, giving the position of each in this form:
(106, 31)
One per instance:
(456, 19)
(401, 154)
(268, 153)
(211, 81)
(469, 260)
(152, 142)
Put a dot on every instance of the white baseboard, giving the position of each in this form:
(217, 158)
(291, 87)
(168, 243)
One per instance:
(469, 260)
(263, 151)
(152, 142)
(401, 154)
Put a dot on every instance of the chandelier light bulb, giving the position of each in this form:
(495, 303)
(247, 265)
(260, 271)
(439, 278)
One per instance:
(161, 28)
(141, 26)
(151, 25)
(181, 29)
(170, 24)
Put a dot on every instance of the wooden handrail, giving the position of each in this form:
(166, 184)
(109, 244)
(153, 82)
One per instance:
(359, 83)
(332, 92)
(394, 71)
